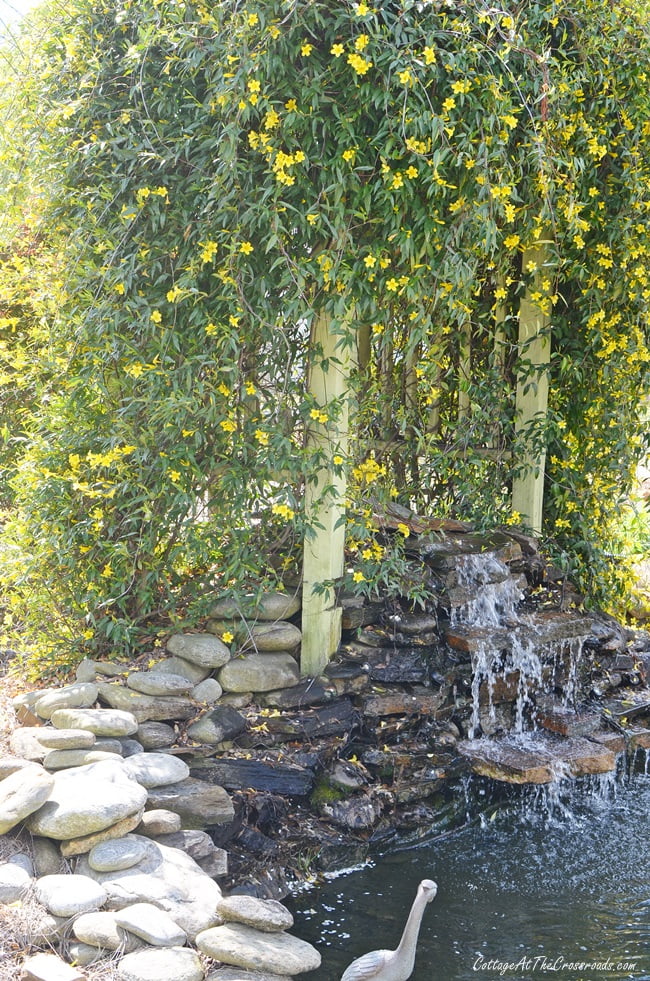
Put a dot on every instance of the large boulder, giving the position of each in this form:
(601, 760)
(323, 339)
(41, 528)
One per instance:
(87, 799)
(242, 946)
(169, 879)
(260, 672)
(206, 650)
(22, 793)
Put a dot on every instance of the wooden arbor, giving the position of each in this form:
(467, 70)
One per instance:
(329, 385)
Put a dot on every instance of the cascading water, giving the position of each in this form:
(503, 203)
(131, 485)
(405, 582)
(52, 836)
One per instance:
(509, 645)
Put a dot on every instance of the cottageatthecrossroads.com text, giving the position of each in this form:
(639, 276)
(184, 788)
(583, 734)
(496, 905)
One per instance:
(541, 964)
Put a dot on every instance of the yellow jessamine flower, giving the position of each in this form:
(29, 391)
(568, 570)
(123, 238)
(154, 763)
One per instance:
(337, 50)
(227, 637)
(246, 248)
(156, 316)
(306, 48)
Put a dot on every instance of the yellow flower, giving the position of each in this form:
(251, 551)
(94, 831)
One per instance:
(312, 219)
(250, 388)
(360, 65)
(262, 437)
(404, 529)
(174, 475)
(211, 329)
(246, 248)
(156, 316)
(208, 251)
(119, 288)
(361, 42)
(358, 577)
(361, 9)
(227, 637)
(429, 55)
(173, 294)
(337, 50)
(512, 241)
(461, 86)
(337, 460)
(412, 171)
(107, 571)
(291, 105)
(370, 261)
(377, 328)
(500, 293)
(448, 104)
(228, 425)
(405, 77)
(349, 155)
(306, 49)
(253, 19)
(392, 285)
(254, 85)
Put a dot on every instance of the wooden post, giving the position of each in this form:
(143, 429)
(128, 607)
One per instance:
(323, 554)
(464, 370)
(532, 391)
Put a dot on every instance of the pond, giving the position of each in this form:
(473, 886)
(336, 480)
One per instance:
(550, 883)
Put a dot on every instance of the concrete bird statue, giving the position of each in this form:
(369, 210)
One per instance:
(395, 965)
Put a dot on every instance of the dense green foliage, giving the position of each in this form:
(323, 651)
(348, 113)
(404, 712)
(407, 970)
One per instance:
(208, 175)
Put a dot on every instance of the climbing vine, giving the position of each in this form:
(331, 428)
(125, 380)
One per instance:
(217, 173)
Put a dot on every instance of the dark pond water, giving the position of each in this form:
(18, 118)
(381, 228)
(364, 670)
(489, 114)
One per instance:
(542, 887)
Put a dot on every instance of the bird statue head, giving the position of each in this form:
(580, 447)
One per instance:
(429, 888)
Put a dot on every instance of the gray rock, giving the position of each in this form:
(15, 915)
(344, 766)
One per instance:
(186, 669)
(14, 882)
(151, 924)
(85, 843)
(279, 636)
(199, 804)
(223, 722)
(159, 683)
(144, 708)
(84, 800)
(156, 769)
(68, 895)
(239, 945)
(22, 793)
(103, 722)
(131, 747)
(156, 735)
(159, 822)
(47, 857)
(62, 759)
(22, 861)
(88, 670)
(241, 974)
(49, 967)
(172, 964)
(48, 929)
(197, 844)
(167, 878)
(269, 606)
(83, 955)
(205, 650)
(207, 692)
(100, 929)
(53, 738)
(11, 764)
(81, 695)
(24, 743)
(115, 746)
(261, 914)
(116, 854)
(259, 672)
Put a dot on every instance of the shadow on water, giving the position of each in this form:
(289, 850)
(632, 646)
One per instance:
(551, 884)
